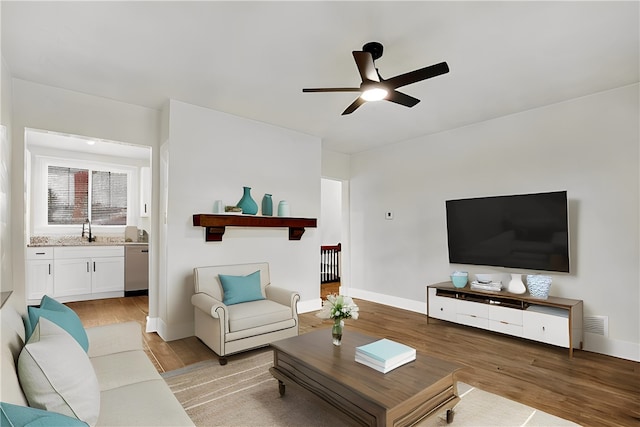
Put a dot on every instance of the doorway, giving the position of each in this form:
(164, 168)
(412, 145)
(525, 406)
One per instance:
(73, 180)
(332, 236)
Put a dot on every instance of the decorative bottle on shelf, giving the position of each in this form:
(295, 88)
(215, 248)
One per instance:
(283, 208)
(516, 285)
(267, 205)
(248, 205)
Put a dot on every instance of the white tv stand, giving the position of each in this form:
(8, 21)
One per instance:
(556, 321)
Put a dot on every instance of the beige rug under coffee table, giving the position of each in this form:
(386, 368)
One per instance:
(401, 397)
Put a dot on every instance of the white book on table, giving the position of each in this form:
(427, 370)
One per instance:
(384, 368)
(385, 354)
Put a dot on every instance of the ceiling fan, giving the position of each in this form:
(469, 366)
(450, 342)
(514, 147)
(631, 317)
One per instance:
(374, 87)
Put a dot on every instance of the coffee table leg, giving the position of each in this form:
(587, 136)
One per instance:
(281, 388)
(449, 416)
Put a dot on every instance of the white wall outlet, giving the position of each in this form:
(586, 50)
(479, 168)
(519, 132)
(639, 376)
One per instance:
(388, 215)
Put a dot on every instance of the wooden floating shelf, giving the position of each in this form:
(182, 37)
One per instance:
(215, 224)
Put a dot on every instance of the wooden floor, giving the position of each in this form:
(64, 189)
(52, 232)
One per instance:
(589, 389)
(329, 288)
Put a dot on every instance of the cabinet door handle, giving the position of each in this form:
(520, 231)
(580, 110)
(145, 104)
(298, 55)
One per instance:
(88, 267)
(543, 329)
(145, 208)
(145, 251)
(94, 266)
(49, 269)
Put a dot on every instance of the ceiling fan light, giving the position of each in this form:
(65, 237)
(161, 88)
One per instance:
(374, 94)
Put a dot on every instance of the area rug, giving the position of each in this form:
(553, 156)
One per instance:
(243, 393)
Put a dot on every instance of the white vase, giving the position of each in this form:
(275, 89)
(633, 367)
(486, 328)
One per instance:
(516, 285)
(283, 208)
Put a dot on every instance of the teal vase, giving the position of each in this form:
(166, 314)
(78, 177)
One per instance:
(267, 205)
(248, 205)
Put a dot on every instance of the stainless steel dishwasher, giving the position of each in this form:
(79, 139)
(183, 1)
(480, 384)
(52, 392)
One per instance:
(136, 269)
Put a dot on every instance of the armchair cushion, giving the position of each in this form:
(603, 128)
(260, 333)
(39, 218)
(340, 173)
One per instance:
(239, 289)
(254, 314)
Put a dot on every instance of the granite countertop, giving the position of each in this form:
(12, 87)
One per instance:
(39, 241)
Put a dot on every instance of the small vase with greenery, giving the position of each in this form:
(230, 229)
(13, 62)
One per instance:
(338, 308)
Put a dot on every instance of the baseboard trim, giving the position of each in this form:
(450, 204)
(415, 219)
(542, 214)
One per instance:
(152, 324)
(403, 303)
(616, 348)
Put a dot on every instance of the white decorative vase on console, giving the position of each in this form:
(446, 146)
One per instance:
(516, 285)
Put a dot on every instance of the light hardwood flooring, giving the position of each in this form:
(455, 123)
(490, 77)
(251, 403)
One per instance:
(590, 389)
(329, 288)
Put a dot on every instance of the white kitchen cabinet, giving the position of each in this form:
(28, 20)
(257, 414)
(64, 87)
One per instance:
(107, 274)
(39, 274)
(72, 277)
(87, 272)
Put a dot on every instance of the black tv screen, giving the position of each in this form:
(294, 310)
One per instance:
(524, 231)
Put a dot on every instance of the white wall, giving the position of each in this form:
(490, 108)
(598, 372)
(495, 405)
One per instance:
(331, 212)
(212, 155)
(49, 108)
(588, 146)
(6, 259)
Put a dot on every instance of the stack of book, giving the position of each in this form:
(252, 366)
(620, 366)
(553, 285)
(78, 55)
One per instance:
(384, 355)
(486, 286)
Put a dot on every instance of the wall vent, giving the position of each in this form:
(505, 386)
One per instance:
(597, 325)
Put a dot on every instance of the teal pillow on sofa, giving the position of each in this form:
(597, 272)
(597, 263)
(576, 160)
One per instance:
(16, 415)
(238, 289)
(59, 314)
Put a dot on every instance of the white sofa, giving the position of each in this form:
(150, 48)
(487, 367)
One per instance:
(228, 329)
(131, 391)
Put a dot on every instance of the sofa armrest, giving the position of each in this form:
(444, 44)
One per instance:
(284, 297)
(209, 304)
(114, 338)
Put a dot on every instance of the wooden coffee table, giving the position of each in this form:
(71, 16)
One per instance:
(401, 397)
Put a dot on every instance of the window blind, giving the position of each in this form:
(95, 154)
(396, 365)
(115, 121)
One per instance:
(108, 198)
(68, 196)
(68, 193)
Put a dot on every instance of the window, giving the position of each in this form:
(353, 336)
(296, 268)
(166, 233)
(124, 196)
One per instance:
(71, 202)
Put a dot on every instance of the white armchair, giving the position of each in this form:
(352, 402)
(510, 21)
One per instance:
(228, 329)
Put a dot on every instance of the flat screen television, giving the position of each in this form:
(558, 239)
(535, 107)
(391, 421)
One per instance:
(523, 231)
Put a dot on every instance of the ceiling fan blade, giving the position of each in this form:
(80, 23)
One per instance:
(402, 99)
(366, 67)
(417, 75)
(354, 106)
(333, 89)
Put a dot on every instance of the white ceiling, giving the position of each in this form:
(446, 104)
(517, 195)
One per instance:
(252, 59)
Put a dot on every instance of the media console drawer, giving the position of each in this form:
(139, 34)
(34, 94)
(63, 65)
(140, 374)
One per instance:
(551, 328)
(442, 308)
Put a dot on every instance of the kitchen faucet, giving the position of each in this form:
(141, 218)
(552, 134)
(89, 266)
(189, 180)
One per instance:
(88, 221)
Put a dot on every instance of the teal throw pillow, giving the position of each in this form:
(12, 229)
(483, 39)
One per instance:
(16, 415)
(62, 316)
(239, 289)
